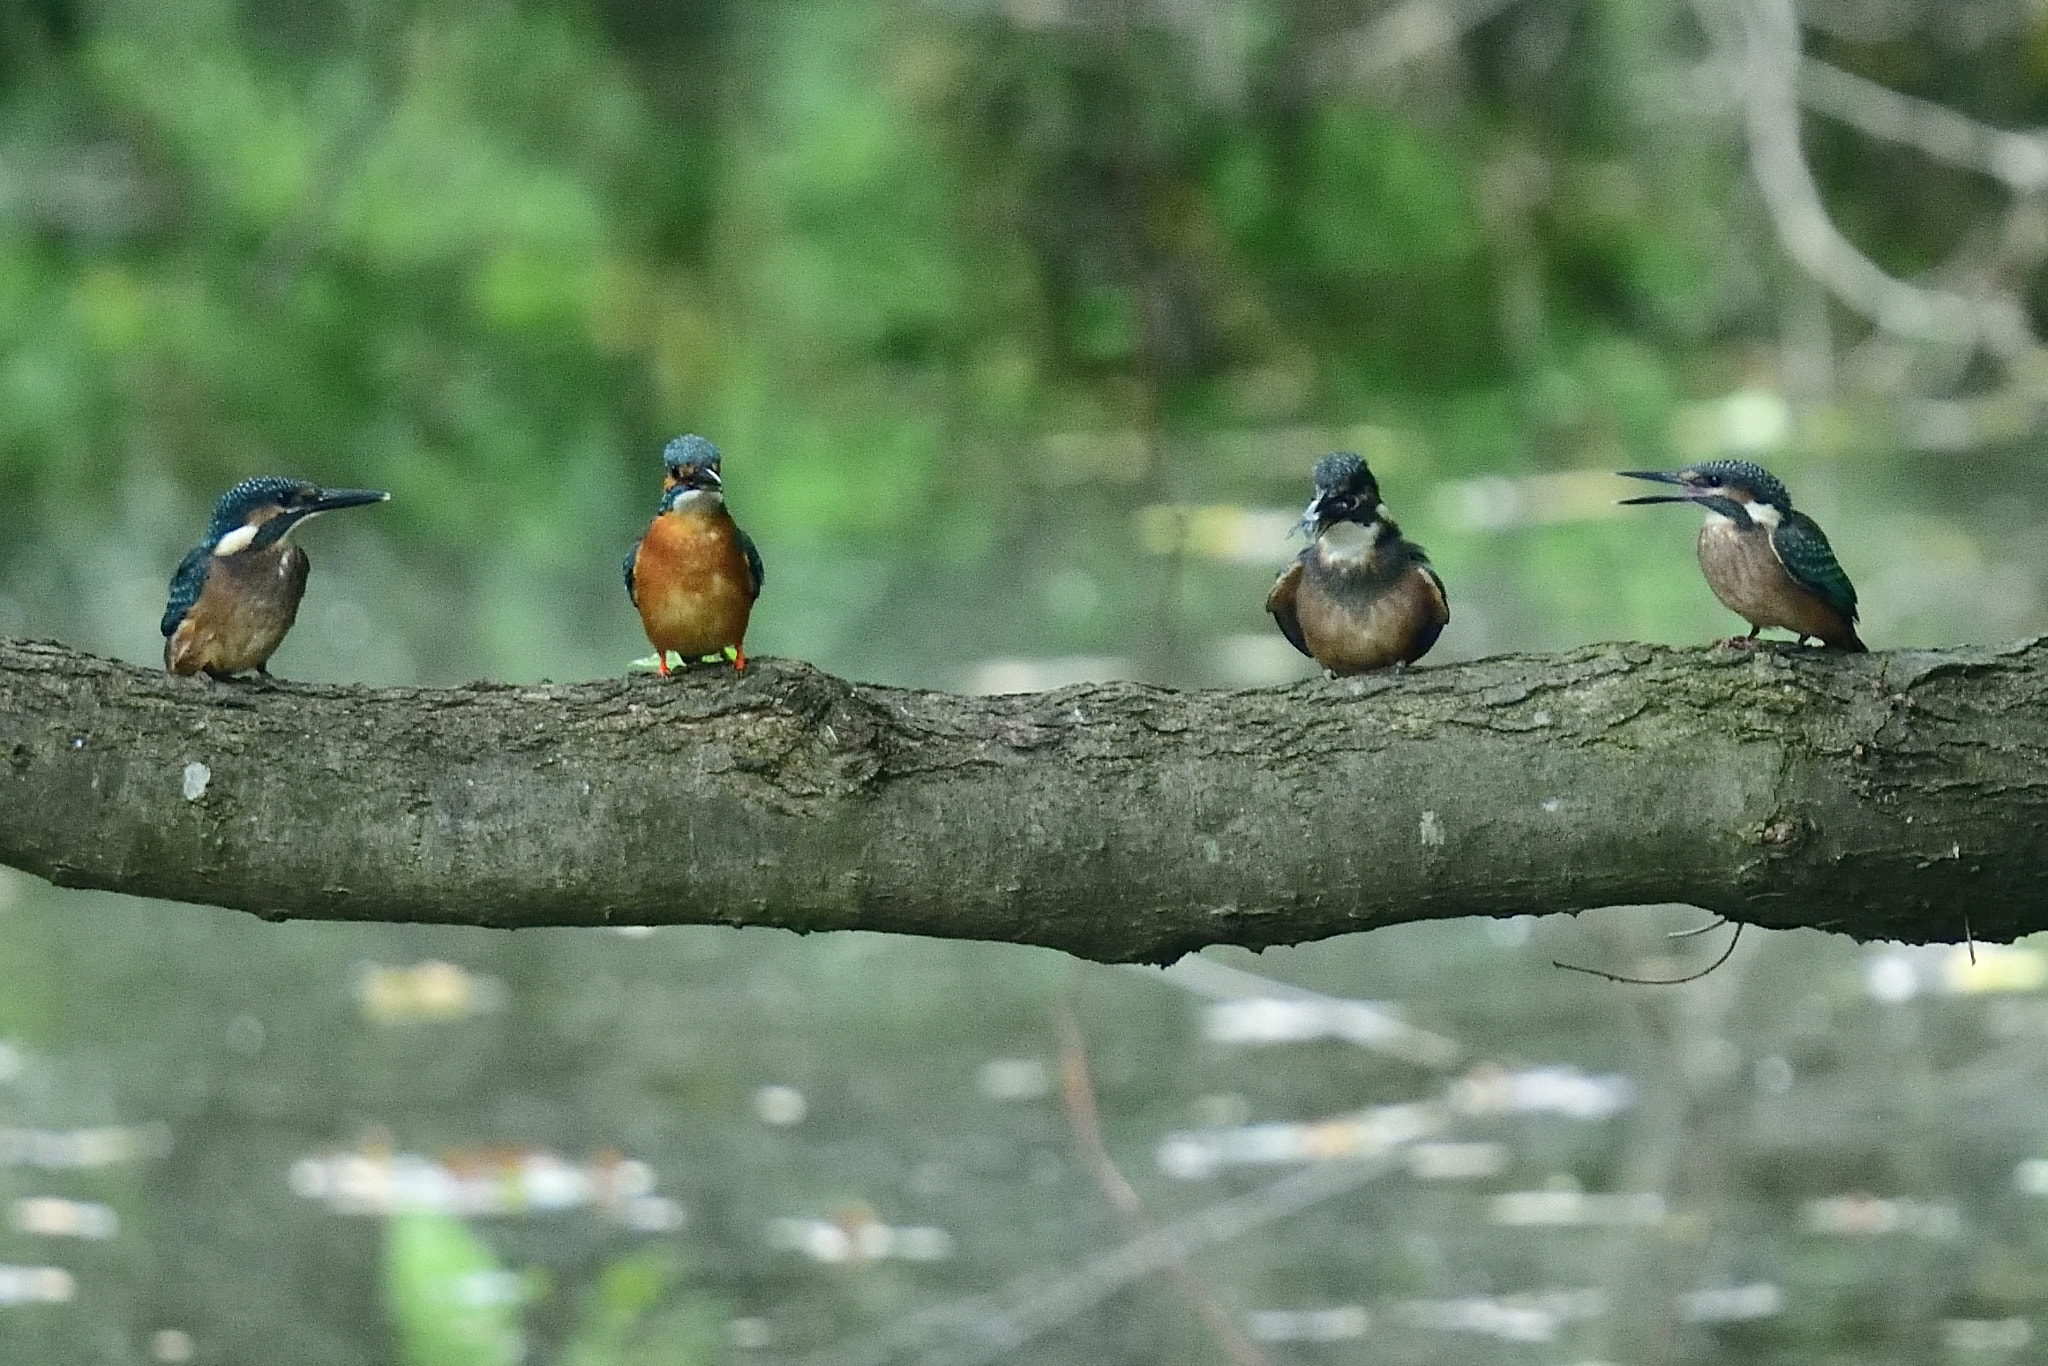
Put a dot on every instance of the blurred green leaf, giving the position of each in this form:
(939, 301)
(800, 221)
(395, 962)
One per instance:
(453, 1303)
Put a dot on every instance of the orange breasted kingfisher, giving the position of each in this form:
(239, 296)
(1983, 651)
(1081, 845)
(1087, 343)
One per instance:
(694, 575)
(1359, 596)
(1768, 564)
(237, 592)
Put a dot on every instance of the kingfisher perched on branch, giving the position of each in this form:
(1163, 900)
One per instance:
(1359, 596)
(694, 575)
(1766, 563)
(237, 592)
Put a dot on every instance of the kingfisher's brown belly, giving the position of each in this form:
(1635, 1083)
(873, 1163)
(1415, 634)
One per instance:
(1746, 576)
(243, 613)
(1396, 627)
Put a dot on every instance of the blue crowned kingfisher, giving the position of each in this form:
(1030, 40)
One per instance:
(1359, 596)
(237, 592)
(694, 575)
(1766, 563)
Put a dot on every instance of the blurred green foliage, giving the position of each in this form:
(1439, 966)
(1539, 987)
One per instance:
(634, 1316)
(454, 1303)
(959, 288)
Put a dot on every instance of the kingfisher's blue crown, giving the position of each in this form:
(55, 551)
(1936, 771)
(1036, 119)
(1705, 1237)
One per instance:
(268, 490)
(690, 452)
(1751, 478)
(1342, 470)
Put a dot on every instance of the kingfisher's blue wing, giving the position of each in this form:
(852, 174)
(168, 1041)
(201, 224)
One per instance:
(1804, 551)
(631, 556)
(1280, 602)
(755, 573)
(1436, 586)
(185, 586)
(1443, 599)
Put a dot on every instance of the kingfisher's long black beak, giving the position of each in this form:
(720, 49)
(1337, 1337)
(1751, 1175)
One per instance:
(330, 499)
(1686, 495)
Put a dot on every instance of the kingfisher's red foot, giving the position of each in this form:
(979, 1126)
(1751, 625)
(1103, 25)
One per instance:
(661, 662)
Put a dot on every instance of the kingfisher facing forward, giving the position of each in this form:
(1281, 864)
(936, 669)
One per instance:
(694, 575)
(1359, 596)
(237, 592)
(1766, 563)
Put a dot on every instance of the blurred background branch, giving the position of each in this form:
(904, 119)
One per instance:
(1760, 40)
(1077, 1094)
(2020, 160)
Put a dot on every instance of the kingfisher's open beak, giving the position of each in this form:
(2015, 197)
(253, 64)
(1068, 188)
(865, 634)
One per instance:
(1318, 511)
(1687, 493)
(694, 477)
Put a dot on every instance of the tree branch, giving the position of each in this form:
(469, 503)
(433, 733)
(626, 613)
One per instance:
(1880, 795)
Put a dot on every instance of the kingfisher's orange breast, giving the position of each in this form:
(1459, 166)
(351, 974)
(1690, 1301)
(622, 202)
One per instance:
(691, 583)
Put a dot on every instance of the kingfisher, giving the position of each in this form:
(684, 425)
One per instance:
(237, 592)
(694, 575)
(1766, 563)
(1359, 596)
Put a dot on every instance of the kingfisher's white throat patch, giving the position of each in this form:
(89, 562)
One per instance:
(1760, 514)
(1349, 542)
(236, 541)
(697, 500)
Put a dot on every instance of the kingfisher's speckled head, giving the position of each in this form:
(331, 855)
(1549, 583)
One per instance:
(1345, 492)
(689, 462)
(1736, 489)
(258, 512)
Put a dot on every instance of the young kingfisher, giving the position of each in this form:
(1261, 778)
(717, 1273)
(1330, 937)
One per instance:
(1766, 563)
(237, 592)
(1359, 596)
(694, 575)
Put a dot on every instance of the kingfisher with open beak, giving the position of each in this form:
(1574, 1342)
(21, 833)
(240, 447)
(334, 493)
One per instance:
(1359, 596)
(1766, 563)
(237, 592)
(694, 575)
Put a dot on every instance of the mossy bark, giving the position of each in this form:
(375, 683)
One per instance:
(1900, 795)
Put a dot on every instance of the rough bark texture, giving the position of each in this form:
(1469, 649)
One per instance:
(1900, 795)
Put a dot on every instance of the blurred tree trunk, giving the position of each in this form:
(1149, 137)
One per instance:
(1900, 795)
